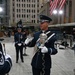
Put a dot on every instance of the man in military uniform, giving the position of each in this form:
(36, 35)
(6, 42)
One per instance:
(41, 61)
(18, 38)
(5, 62)
(19, 24)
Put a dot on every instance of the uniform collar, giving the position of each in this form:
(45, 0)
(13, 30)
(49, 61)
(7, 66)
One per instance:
(45, 31)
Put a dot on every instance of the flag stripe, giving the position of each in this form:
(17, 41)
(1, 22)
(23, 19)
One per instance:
(53, 5)
(60, 3)
(63, 2)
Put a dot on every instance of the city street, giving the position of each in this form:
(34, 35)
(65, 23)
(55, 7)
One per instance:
(62, 64)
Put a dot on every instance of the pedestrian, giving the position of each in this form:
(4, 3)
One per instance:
(64, 35)
(24, 46)
(18, 38)
(9, 33)
(64, 41)
(41, 61)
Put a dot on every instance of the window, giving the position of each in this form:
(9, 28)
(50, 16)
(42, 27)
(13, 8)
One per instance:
(13, 4)
(22, 15)
(13, 9)
(22, 5)
(27, 16)
(17, 5)
(29, 0)
(37, 0)
(13, 15)
(17, 15)
(17, 10)
(29, 5)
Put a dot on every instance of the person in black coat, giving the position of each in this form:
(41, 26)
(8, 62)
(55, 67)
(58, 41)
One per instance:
(24, 47)
(18, 38)
(5, 62)
(41, 61)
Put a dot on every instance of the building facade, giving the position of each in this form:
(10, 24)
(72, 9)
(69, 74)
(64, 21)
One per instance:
(68, 15)
(25, 10)
(4, 14)
(28, 11)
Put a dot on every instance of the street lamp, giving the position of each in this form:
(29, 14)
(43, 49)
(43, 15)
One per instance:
(59, 13)
(55, 12)
(1, 9)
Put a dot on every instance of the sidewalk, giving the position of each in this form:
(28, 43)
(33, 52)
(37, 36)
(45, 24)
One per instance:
(62, 64)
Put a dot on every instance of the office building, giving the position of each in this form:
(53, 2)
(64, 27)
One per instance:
(25, 10)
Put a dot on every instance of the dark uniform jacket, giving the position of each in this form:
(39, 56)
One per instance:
(37, 58)
(18, 37)
(5, 62)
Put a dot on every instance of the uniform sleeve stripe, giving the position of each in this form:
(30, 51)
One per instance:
(51, 50)
(46, 33)
(50, 37)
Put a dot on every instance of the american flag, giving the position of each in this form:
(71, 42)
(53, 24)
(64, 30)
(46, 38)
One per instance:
(56, 4)
(61, 4)
(53, 5)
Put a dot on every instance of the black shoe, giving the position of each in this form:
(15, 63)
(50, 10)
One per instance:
(25, 54)
(22, 61)
(16, 61)
(73, 48)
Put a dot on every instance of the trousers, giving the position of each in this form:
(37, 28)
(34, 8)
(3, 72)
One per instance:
(19, 49)
(36, 71)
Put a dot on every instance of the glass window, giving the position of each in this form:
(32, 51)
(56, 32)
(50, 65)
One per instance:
(13, 15)
(17, 15)
(22, 5)
(13, 4)
(17, 10)
(29, 0)
(13, 9)
(19, 5)
(22, 15)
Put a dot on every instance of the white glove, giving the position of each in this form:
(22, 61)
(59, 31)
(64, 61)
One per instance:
(44, 49)
(19, 44)
(28, 40)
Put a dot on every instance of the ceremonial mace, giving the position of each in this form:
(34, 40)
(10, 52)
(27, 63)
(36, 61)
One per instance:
(43, 38)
